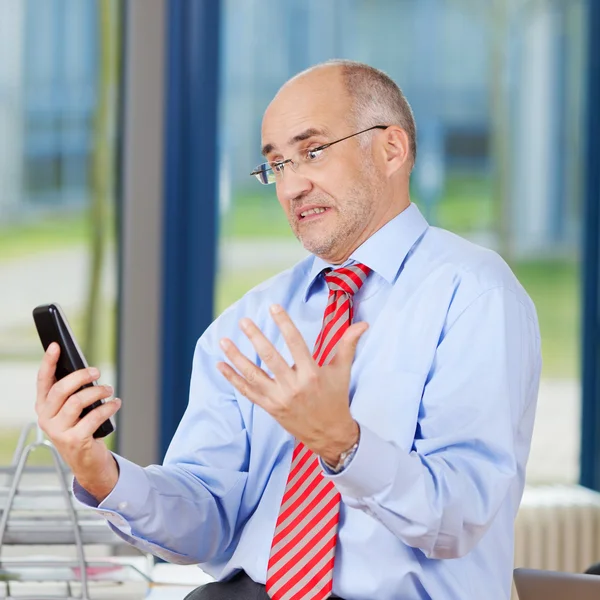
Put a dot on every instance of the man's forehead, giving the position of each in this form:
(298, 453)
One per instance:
(303, 110)
(303, 134)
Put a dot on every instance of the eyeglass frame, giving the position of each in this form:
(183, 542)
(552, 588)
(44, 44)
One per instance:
(258, 171)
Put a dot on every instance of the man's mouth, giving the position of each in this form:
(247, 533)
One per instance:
(312, 212)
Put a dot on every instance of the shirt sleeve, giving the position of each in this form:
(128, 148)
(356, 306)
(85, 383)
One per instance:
(186, 510)
(472, 437)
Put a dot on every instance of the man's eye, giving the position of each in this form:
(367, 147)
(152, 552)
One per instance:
(314, 154)
(277, 167)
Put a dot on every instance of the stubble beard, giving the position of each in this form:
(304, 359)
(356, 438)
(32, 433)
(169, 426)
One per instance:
(353, 216)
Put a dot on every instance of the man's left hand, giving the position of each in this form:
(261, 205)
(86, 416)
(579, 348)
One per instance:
(310, 401)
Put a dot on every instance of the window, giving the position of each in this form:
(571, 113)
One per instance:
(59, 79)
(497, 93)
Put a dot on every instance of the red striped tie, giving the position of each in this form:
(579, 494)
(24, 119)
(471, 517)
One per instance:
(303, 548)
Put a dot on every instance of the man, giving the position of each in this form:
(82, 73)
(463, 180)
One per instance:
(374, 461)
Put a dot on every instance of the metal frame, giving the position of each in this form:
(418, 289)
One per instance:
(21, 461)
(140, 231)
(590, 423)
(168, 214)
(39, 501)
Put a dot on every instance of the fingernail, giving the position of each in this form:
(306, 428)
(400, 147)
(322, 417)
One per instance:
(245, 323)
(109, 389)
(275, 308)
(52, 348)
(93, 372)
(225, 344)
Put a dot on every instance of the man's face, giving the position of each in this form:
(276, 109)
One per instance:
(339, 188)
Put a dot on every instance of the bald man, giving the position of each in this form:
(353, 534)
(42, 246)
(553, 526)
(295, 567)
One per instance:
(358, 426)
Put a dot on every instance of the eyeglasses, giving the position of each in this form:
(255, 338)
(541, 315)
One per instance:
(270, 172)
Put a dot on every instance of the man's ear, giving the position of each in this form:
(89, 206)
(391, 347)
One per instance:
(396, 147)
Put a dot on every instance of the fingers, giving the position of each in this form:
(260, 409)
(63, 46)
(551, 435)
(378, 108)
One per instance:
(241, 384)
(265, 349)
(253, 375)
(300, 352)
(88, 425)
(63, 389)
(69, 414)
(45, 376)
(347, 345)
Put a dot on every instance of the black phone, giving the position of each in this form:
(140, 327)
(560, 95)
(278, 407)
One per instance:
(52, 326)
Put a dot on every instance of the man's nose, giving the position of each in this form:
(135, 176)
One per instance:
(292, 184)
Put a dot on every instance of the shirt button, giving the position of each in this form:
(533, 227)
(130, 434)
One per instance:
(122, 505)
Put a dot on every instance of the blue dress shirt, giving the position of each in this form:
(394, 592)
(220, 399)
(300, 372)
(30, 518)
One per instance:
(444, 387)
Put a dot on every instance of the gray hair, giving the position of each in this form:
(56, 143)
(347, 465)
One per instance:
(377, 100)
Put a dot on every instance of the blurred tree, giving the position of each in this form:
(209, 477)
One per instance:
(500, 121)
(103, 166)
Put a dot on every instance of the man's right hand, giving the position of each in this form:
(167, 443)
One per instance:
(58, 407)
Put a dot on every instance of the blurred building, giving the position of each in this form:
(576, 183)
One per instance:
(482, 78)
(495, 88)
(47, 100)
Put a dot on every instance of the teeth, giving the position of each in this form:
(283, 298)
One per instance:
(312, 211)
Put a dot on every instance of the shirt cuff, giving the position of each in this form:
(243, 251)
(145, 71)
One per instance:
(374, 466)
(127, 499)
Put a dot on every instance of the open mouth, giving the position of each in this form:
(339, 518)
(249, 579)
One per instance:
(312, 213)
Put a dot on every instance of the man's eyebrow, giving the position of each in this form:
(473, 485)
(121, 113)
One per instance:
(306, 134)
(267, 148)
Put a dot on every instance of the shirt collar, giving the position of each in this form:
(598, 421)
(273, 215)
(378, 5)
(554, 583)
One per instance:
(385, 251)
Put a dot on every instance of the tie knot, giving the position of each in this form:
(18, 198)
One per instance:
(347, 279)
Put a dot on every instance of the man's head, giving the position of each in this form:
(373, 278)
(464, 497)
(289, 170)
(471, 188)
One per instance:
(361, 182)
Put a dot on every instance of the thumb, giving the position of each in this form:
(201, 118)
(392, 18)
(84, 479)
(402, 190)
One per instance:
(347, 347)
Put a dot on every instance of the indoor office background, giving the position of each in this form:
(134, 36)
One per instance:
(128, 130)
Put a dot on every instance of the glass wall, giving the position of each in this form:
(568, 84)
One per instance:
(497, 93)
(59, 78)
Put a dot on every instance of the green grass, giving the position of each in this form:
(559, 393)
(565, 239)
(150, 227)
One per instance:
(47, 234)
(466, 207)
(39, 457)
(21, 342)
(232, 286)
(554, 287)
(8, 443)
(256, 214)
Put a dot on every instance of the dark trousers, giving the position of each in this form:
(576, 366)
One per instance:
(240, 587)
